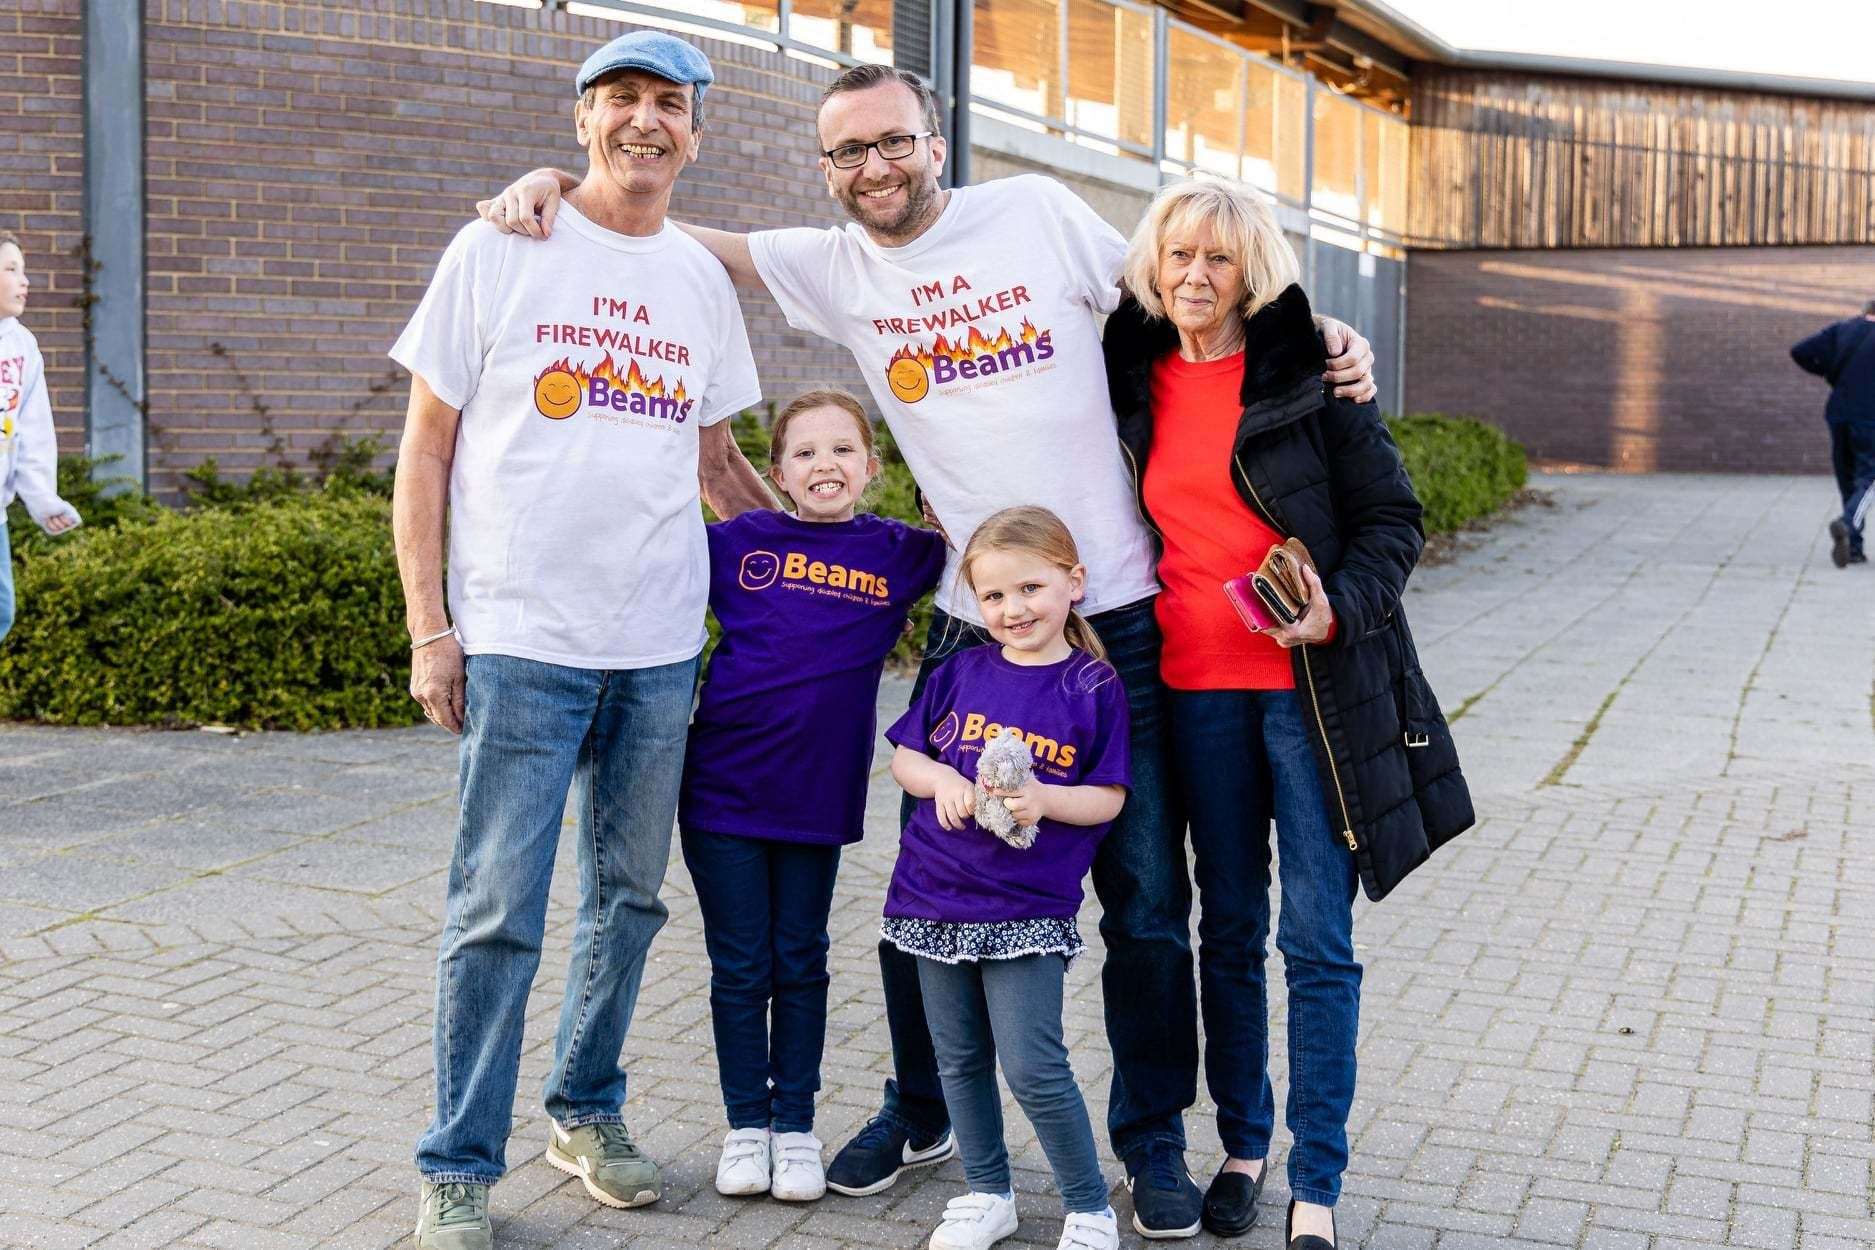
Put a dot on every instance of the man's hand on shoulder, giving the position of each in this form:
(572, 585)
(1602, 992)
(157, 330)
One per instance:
(529, 204)
(1350, 361)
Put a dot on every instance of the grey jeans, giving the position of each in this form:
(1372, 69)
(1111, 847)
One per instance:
(1010, 1008)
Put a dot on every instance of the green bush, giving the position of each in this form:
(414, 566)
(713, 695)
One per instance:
(285, 614)
(1462, 468)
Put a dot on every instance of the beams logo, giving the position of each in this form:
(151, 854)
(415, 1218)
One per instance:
(915, 369)
(562, 388)
(761, 569)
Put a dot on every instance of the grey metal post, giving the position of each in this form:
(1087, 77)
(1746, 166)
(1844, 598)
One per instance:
(1308, 180)
(943, 71)
(1161, 58)
(963, 51)
(115, 390)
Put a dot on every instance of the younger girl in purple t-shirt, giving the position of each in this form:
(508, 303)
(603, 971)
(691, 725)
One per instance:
(991, 924)
(810, 604)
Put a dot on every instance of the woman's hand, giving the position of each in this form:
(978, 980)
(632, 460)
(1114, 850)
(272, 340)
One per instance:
(1028, 804)
(526, 206)
(955, 799)
(1315, 624)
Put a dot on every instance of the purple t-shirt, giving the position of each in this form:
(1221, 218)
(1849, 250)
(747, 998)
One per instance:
(1073, 716)
(781, 744)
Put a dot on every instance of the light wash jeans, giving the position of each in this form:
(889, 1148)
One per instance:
(1010, 1009)
(531, 731)
(6, 577)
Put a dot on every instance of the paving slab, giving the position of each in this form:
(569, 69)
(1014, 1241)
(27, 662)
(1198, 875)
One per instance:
(1631, 1010)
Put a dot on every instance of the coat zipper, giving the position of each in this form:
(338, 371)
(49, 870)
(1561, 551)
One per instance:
(1308, 670)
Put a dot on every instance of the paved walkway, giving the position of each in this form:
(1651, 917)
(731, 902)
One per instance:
(1633, 1009)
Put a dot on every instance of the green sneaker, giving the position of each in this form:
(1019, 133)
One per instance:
(454, 1217)
(613, 1170)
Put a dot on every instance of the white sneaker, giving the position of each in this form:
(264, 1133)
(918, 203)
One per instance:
(799, 1174)
(1090, 1232)
(975, 1222)
(743, 1169)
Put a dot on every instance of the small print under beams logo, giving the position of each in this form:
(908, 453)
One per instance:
(563, 388)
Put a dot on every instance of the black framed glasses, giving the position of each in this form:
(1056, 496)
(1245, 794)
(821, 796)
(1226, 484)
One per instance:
(892, 147)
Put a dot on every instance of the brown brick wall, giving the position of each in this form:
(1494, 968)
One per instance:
(308, 162)
(1635, 359)
(42, 186)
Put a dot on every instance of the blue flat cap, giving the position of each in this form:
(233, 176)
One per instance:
(654, 52)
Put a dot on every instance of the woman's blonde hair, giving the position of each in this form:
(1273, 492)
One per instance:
(1241, 223)
(1038, 532)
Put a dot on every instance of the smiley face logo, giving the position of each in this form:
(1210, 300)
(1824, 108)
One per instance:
(908, 380)
(759, 570)
(556, 394)
(945, 733)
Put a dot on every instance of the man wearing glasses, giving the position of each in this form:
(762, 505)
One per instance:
(974, 315)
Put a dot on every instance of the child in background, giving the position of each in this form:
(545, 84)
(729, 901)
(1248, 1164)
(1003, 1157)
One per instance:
(992, 926)
(29, 450)
(810, 605)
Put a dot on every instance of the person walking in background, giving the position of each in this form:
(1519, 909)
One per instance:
(567, 476)
(1844, 355)
(29, 448)
(810, 605)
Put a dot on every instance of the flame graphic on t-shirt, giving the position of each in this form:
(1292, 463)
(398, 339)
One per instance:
(968, 347)
(633, 379)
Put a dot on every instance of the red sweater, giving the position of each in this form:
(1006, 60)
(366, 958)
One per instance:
(1210, 534)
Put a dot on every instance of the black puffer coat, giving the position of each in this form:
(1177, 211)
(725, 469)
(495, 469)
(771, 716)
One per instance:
(1326, 471)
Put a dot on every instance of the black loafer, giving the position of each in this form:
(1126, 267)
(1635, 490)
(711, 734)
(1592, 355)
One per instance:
(1308, 1241)
(1230, 1205)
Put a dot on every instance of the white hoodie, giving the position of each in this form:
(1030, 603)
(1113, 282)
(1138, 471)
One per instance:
(29, 449)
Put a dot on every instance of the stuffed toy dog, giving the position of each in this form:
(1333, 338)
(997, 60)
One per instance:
(1005, 764)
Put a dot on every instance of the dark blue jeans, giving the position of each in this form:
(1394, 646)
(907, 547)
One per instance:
(765, 908)
(1145, 897)
(1250, 758)
(1852, 454)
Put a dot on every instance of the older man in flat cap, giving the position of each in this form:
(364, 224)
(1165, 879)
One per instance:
(567, 406)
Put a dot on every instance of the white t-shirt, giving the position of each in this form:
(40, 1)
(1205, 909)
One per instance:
(583, 367)
(979, 342)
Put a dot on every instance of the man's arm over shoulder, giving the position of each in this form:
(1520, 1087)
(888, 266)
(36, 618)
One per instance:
(726, 480)
(731, 251)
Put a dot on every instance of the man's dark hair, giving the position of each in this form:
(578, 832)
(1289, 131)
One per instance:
(1868, 308)
(865, 77)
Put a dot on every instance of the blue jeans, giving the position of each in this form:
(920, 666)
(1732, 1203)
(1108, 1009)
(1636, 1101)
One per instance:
(1251, 757)
(1145, 896)
(1011, 1009)
(765, 907)
(530, 732)
(1852, 455)
(6, 577)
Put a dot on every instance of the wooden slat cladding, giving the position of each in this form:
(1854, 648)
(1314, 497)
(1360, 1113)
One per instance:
(1513, 160)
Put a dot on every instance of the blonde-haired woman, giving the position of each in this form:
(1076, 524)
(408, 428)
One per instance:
(1325, 724)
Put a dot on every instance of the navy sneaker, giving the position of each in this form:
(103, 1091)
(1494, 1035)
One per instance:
(872, 1161)
(1167, 1202)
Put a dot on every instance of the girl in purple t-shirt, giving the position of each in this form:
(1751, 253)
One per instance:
(992, 924)
(810, 604)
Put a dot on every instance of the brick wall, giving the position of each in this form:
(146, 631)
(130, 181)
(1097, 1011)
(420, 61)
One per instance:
(308, 162)
(1634, 359)
(42, 186)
